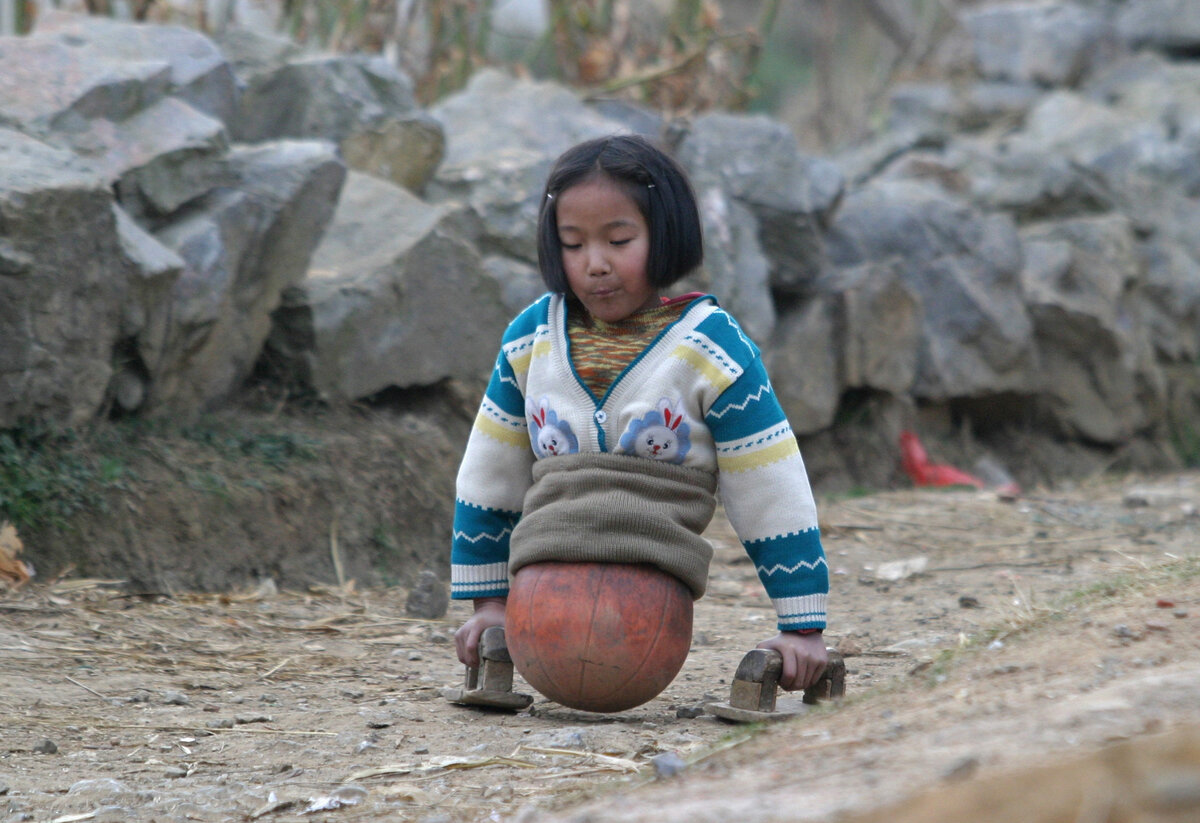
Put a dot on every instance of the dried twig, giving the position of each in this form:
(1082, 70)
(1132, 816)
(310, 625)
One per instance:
(87, 688)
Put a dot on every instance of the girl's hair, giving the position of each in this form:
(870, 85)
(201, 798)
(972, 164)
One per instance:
(654, 181)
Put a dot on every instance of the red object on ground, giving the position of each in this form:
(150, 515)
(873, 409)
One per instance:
(916, 465)
(599, 637)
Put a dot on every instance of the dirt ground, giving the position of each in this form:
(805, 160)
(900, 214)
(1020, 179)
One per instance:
(982, 636)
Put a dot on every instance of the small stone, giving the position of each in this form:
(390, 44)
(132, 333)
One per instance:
(667, 764)
(968, 602)
(175, 699)
(962, 769)
(1180, 613)
(689, 712)
(1157, 626)
(1122, 631)
(176, 771)
(46, 747)
(243, 719)
(221, 723)
(421, 750)
(1164, 603)
(428, 598)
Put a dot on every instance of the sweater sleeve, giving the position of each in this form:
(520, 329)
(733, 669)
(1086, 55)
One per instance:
(495, 473)
(765, 490)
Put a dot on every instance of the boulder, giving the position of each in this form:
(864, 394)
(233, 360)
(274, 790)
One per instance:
(243, 246)
(65, 307)
(1096, 372)
(793, 196)
(159, 158)
(361, 102)
(805, 368)
(46, 84)
(504, 134)
(393, 300)
(1050, 44)
(1171, 26)
(196, 71)
(963, 265)
(738, 270)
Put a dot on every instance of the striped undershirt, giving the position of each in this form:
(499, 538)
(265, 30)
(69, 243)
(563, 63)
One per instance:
(600, 351)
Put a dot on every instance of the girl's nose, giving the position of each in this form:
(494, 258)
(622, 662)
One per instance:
(597, 262)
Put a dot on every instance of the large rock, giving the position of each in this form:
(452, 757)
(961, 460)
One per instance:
(66, 307)
(1096, 370)
(503, 136)
(964, 265)
(738, 270)
(793, 196)
(393, 299)
(141, 104)
(46, 84)
(1166, 25)
(1051, 44)
(196, 71)
(243, 247)
(361, 102)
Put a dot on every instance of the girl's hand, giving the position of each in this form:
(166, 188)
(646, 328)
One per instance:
(489, 611)
(804, 658)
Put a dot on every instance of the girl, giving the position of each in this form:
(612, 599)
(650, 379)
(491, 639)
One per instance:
(613, 414)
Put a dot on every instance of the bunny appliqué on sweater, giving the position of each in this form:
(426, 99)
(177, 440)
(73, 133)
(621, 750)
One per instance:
(549, 435)
(662, 434)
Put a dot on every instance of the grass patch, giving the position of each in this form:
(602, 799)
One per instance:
(49, 475)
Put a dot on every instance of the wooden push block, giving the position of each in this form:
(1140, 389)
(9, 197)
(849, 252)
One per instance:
(490, 684)
(752, 697)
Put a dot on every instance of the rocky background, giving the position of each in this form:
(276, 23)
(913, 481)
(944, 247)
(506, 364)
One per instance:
(1014, 256)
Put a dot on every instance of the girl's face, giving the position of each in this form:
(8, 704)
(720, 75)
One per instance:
(605, 244)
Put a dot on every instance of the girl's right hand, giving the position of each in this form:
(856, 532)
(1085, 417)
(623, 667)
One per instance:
(489, 611)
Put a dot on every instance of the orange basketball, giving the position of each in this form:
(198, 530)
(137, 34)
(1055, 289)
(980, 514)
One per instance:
(600, 637)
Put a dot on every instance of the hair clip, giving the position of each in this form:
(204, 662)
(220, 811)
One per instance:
(549, 196)
(649, 185)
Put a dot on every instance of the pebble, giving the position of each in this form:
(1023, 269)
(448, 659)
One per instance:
(502, 793)
(428, 598)
(689, 712)
(175, 699)
(243, 719)
(176, 771)
(962, 769)
(668, 764)
(45, 747)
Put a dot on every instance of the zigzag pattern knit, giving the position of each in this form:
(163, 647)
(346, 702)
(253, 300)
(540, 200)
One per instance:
(697, 396)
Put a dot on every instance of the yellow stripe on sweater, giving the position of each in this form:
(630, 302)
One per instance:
(718, 377)
(505, 434)
(757, 459)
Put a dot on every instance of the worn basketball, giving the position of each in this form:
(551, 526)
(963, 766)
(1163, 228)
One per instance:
(599, 637)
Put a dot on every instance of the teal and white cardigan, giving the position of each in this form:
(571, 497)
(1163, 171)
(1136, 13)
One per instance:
(698, 396)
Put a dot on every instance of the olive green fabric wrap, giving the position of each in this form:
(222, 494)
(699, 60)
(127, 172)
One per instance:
(617, 509)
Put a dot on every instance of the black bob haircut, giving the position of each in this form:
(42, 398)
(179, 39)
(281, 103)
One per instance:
(653, 180)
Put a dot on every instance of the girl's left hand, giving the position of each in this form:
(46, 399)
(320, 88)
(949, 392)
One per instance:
(804, 658)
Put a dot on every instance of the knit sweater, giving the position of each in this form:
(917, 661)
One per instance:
(698, 396)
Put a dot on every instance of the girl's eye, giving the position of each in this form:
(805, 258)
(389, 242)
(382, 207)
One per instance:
(571, 246)
(621, 242)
